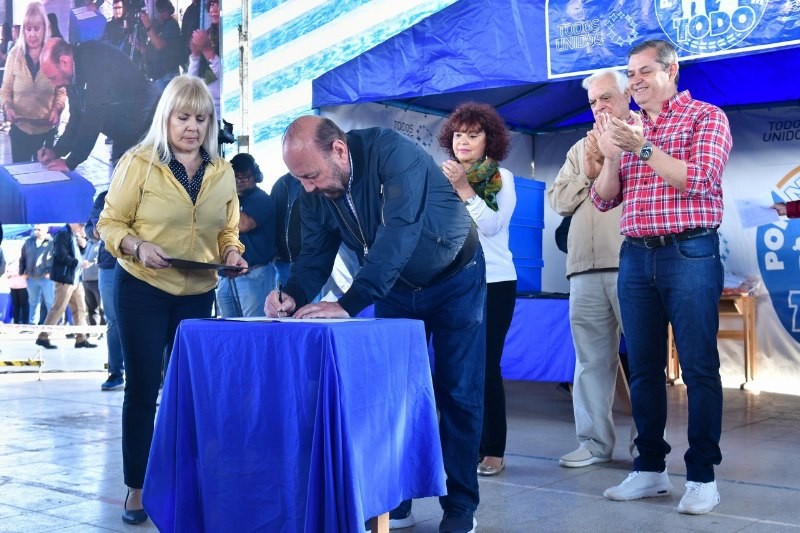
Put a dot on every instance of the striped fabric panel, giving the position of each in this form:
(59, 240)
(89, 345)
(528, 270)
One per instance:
(294, 41)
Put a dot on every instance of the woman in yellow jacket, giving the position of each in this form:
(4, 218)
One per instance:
(171, 196)
(31, 103)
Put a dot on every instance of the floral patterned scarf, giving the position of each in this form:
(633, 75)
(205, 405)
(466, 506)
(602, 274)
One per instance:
(484, 176)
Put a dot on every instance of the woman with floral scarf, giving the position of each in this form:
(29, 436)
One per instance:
(477, 139)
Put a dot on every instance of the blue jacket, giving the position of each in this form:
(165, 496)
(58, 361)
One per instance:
(409, 224)
(64, 260)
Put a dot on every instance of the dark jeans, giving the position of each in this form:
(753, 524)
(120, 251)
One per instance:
(148, 318)
(25, 146)
(95, 314)
(501, 298)
(679, 283)
(19, 302)
(453, 311)
(106, 285)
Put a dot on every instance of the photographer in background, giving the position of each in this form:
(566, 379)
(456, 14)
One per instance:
(163, 50)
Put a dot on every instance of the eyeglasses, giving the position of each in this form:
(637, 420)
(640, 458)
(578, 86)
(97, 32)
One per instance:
(244, 178)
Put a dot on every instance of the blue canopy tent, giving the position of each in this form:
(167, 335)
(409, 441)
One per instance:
(518, 55)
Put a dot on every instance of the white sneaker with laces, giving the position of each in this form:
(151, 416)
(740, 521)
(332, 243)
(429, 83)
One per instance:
(640, 484)
(699, 498)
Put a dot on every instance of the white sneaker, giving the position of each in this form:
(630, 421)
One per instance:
(581, 457)
(699, 498)
(640, 485)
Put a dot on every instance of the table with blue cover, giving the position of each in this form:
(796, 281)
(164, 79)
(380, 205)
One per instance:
(54, 202)
(539, 343)
(293, 426)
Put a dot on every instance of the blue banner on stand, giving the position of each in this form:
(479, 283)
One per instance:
(597, 34)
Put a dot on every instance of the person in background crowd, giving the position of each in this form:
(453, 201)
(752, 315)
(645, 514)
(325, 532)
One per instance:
(5, 40)
(14, 38)
(421, 258)
(19, 292)
(105, 281)
(35, 262)
(477, 140)
(2, 262)
(204, 60)
(284, 195)
(788, 209)
(116, 31)
(189, 23)
(55, 31)
(68, 245)
(666, 165)
(245, 295)
(592, 265)
(94, 303)
(32, 104)
(169, 190)
(163, 50)
(107, 93)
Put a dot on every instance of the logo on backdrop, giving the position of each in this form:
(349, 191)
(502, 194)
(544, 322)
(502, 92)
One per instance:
(778, 248)
(419, 133)
(708, 26)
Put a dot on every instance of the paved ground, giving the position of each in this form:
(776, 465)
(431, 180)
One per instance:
(60, 461)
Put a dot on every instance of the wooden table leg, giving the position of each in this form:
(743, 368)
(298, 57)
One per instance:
(379, 524)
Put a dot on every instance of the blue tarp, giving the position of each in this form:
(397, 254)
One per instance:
(527, 57)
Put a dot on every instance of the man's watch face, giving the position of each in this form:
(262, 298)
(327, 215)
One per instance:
(646, 151)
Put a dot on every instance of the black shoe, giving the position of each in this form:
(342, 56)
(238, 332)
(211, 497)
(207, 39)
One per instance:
(46, 343)
(133, 516)
(85, 344)
(70, 335)
(462, 523)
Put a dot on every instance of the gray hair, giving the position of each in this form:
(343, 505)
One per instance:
(188, 94)
(618, 75)
(665, 53)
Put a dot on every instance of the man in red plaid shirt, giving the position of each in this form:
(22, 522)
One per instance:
(666, 164)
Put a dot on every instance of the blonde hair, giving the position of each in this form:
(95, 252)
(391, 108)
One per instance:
(186, 94)
(38, 10)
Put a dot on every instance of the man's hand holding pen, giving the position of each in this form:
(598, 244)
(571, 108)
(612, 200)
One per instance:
(279, 304)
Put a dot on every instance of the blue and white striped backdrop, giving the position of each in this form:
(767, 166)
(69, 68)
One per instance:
(291, 43)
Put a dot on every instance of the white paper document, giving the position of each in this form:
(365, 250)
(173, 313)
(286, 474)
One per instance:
(25, 168)
(36, 178)
(754, 212)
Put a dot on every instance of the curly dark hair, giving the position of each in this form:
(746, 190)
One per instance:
(472, 116)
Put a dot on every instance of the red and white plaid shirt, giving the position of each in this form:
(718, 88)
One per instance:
(695, 132)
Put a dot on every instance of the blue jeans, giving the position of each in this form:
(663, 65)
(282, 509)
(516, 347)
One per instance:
(454, 312)
(105, 281)
(39, 288)
(679, 283)
(252, 290)
(148, 319)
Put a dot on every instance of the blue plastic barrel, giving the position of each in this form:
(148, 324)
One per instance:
(525, 234)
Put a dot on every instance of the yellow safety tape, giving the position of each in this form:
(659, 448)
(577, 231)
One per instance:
(29, 362)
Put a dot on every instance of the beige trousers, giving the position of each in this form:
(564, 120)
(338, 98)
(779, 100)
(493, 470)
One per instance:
(73, 296)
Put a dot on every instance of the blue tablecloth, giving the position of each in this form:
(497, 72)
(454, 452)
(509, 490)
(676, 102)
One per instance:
(539, 343)
(55, 202)
(293, 426)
